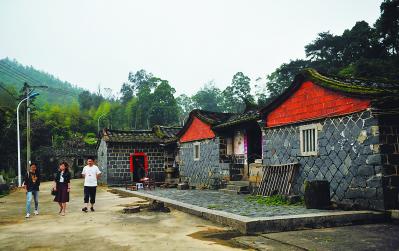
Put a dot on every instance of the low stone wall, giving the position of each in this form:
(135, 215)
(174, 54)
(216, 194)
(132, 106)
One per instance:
(347, 157)
(205, 171)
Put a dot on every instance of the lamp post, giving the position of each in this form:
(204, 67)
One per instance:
(18, 138)
(98, 121)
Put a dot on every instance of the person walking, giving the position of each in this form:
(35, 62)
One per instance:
(91, 173)
(62, 186)
(31, 185)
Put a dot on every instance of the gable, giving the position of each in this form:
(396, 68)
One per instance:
(197, 130)
(311, 101)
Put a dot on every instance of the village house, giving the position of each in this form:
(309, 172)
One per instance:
(218, 146)
(48, 158)
(120, 153)
(344, 131)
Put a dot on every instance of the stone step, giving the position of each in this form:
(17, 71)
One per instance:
(239, 183)
(225, 190)
(237, 188)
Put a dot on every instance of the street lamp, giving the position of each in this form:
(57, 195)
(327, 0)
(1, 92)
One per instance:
(34, 94)
(98, 121)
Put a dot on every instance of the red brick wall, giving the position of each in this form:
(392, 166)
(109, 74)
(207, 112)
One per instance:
(198, 130)
(311, 101)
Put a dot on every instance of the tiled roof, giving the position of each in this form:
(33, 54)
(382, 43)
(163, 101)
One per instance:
(378, 92)
(158, 134)
(354, 86)
(252, 115)
(211, 118)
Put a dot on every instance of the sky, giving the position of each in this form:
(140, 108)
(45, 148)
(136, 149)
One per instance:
(189, 43)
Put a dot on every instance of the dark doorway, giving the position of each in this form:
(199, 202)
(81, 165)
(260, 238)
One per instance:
(139, 165)
(254, 143)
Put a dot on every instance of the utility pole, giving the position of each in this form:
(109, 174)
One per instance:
(28, 158)
(18, 138)
(28, 92)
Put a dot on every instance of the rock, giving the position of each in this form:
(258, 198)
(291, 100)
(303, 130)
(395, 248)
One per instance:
(2, 180)
(131, 210)
(158, 206)
(183, 186)
(317, 194)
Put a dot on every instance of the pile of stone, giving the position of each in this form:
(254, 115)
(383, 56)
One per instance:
(153, 206)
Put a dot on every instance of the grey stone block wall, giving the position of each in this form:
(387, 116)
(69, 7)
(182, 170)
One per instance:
(389, 149)
(118, 161)
(346, 157)
(102, 161)
(205, 171)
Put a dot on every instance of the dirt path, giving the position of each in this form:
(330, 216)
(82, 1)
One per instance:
(105, 229)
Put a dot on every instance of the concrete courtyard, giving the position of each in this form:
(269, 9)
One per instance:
(109, 229)
(106, 229)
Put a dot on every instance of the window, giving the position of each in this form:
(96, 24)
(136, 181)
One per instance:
(196, 151)
(308, 139)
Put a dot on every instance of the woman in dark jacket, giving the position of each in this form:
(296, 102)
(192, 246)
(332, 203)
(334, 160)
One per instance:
(62, 186)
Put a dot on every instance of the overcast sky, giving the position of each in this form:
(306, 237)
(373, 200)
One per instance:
(186, 42)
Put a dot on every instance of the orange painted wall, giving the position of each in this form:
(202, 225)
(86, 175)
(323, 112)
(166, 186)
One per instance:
(311, 101)
(198, 130)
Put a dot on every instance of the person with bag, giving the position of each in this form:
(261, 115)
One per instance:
(62, 186)
(31, 185)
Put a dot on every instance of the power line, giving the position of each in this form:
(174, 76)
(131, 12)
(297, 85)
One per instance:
(32, 79)
(11, 74)
(17, 75)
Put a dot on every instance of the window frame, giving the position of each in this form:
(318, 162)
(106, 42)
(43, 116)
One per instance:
(311, 138)
(196, 145)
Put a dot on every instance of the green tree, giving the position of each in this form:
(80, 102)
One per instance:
(283, 76)
(209, 98)
(185, 106)
(164, 110)
(238, 93)
(387, 26)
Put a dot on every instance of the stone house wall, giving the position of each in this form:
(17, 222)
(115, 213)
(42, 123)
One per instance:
(205, 171)
(102, 161)
(117, 159)
(389, 149)
(347, 157)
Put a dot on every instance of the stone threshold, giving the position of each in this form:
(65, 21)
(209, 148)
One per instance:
(252, 225)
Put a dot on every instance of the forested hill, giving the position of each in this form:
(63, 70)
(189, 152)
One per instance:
(13, 75)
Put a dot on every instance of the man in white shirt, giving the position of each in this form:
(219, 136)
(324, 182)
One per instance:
(91, 173)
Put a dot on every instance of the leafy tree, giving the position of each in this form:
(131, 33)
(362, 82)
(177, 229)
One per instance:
(127, 93)
(208, 98)
(185, 106)
(164, 108)
(387, 26)
(238, 93)
(283, 76)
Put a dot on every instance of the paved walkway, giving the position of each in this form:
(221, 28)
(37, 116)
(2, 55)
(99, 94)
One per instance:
(236, 204)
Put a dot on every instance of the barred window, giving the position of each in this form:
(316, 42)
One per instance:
(196, 151)
(308, 140)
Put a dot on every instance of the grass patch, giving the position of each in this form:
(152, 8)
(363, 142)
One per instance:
(215, 206)
(275, 200)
